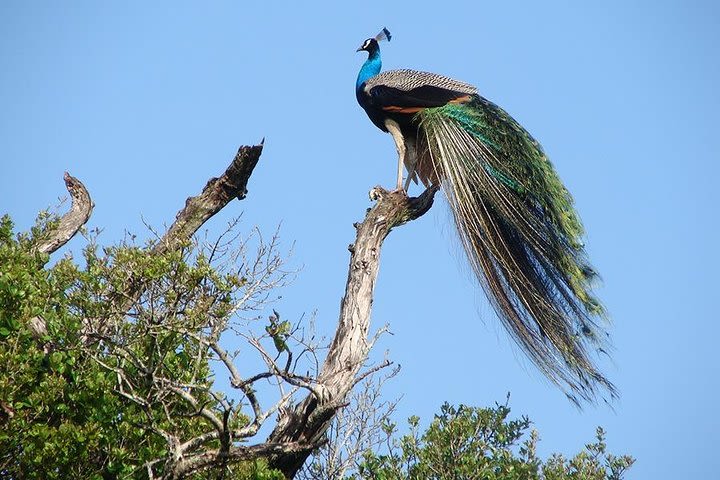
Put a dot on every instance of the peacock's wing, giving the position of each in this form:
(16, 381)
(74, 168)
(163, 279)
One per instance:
(409, 91)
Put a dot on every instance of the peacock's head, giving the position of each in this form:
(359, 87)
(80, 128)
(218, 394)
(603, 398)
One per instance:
(371, 44)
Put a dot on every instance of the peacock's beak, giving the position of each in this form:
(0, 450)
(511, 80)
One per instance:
(360, 49)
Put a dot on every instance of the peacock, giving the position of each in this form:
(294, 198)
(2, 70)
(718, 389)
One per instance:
(515, 218)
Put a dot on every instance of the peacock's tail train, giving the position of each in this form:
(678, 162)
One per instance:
(521, 234)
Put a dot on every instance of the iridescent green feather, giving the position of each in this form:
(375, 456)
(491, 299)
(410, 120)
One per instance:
(522, 236)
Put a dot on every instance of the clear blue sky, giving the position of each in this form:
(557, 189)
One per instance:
(145, 102)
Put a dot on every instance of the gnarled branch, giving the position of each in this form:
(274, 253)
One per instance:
(308, 421)
(217, 193)
(70, 223)
(195, 463)
(301, 427)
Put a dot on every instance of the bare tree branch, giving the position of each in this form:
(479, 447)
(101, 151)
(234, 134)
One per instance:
(70, 223)
(195, 463)
(310, 419)
(205, 412)
(354, 430)
(217, 193)
(301, 427)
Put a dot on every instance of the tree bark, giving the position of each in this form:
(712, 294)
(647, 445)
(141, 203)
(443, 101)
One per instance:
(216, 194)
(70, 223)
(308, 421)
(302, 427)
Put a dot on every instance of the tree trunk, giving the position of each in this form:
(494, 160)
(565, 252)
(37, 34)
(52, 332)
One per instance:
(308, 421)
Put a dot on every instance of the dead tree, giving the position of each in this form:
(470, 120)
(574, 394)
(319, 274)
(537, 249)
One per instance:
(305, 411)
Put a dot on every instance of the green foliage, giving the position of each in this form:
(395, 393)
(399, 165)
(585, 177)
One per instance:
(483, 443)
(99, 383)
(52, 403)
(278, 331)
(79, 394)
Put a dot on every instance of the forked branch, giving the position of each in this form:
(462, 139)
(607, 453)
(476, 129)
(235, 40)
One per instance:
(308, 421)
(300, 427)
(218, 192)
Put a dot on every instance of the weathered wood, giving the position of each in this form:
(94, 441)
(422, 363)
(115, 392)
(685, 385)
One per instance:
(217, 193)
(69, 224)
(307, 423)
(300, 428)
(212, 458)
(81, 206)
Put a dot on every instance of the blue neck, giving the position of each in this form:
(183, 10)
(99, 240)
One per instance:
(370, 68)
